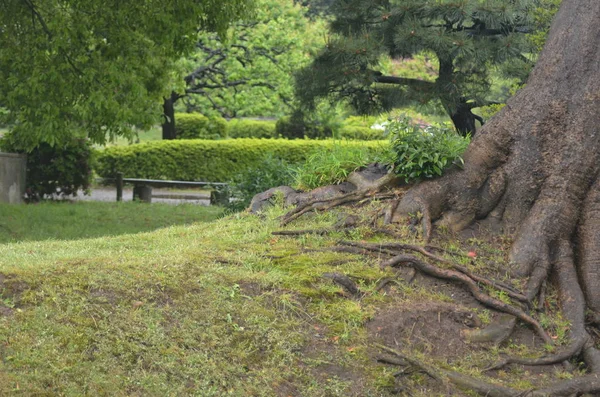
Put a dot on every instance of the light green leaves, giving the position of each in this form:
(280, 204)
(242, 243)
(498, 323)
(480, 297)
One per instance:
(101, 67)
(424, 152)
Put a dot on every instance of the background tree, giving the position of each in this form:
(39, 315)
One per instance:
(248, 71)
(100, 67)
(533, 172)
(466, 42)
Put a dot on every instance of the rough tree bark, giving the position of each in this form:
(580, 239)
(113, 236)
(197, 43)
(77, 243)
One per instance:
(168, 126)
(533, 172)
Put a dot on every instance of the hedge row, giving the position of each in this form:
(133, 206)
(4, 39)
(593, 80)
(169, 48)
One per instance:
(251, 128)
(206, 160)
(197, 126)
(361, 133)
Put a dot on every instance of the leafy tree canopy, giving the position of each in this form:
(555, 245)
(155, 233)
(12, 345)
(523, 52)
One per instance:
(249, 71)
(99, 67)
(468, 40)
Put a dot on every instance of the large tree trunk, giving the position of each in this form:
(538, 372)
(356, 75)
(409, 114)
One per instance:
(533, 171)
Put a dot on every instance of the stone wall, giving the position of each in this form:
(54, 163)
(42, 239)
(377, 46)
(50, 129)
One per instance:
(13, 168)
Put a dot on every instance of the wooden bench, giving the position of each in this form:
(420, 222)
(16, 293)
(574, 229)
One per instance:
(142, 188)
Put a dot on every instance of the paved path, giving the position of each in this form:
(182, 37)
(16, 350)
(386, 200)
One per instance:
(168, 196)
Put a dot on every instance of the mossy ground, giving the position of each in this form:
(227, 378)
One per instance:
(226, 308)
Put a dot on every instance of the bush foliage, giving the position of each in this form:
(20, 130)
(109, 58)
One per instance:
(61, 170)
(197, 126)
(331, 165)
(240, 128)
(207, 160)
(361, 133)
(267, 173)
(424, 152)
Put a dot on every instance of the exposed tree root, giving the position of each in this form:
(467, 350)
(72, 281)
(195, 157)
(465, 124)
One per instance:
(483, 298)
(345, 282)
(496, 332)
(320, 232)
(395, 247)
(361, 195)
(586, 384)
(572, 302)
(451, 377)
(462, 276)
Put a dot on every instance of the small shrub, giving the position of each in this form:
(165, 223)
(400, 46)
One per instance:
(331, 165)
(290, 127)
(424, 152)
(197, 126)
(360, 121)
(251, 129)
(315, 126)
(269, 172)
(61, 170)
(361, 133)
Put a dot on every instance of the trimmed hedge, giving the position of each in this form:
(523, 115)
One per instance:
(197, 126)
(206, 160)
(361, 133)
(237, 128)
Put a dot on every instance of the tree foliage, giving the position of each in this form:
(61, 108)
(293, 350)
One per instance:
(98, 66)
(467, 39)
(248, 71)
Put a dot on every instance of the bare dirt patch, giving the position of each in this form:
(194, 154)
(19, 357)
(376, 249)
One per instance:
(433, 328)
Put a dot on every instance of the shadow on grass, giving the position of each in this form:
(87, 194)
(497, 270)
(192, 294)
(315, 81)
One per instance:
(79, 220)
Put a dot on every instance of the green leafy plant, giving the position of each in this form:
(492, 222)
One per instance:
(251, 128)
(270, 172)
(323, 121)
(424, 152)
(331, 165)
(197, 126)
(361, 133)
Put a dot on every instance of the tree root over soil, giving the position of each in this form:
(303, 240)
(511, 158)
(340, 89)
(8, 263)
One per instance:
(393, 254)
(361, 195)
(572, 387)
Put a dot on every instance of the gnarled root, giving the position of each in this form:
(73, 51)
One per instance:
(372, 192)
(586, 384)
(572, 302)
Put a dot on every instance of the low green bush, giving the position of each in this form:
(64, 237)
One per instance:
(424, 152)
(360, 121)
(290, 127)
(197, 126)
(331, 165)
(207, 160)
(237, 128)
(361, 133)
(269, 172)
(61, 170)
(300, 126)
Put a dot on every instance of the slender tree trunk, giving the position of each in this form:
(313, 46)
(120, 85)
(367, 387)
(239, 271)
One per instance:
(533, 172)
(463, 118)
(168, 126)
(455, 104)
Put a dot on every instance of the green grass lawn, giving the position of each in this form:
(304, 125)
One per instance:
(223, 308)
(78, 220)
(153, 134)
